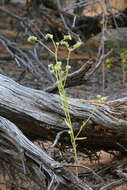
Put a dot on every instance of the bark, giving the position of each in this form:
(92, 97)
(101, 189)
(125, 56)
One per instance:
(40, 116)
(20, 155)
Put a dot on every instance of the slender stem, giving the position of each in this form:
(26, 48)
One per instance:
(46, 47)
(84, 123)
(54, 43)
(68, 58)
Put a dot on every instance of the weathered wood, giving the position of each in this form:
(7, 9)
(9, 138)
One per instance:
(26, 158)
(40, 116)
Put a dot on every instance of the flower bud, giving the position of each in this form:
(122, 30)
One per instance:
(75, 46)
(57, 43)
(124, 60)
(67, 37)
(64, 43)
(107, 60)
(49, 36)
(32, 38)
(99, 97)
(68, 67)
(103, 99)
(58, 65)
(51, 66)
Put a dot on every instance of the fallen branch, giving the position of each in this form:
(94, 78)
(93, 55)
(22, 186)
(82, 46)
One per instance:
(40, 116)
(23, 157)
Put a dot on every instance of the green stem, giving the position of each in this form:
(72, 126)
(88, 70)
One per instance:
(68, 58)
(46, 47)
(84, 123)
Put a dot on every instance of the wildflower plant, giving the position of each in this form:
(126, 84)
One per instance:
(61, 78)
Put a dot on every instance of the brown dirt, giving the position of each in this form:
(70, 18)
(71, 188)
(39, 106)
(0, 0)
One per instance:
(96, 9)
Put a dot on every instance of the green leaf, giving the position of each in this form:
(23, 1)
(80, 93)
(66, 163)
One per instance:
(81, 138)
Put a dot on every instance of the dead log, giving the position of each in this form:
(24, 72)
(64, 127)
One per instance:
(40, 116)
(19, 156)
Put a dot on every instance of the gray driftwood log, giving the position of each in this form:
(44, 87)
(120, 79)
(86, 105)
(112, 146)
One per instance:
(39, 116)
(20, 155)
